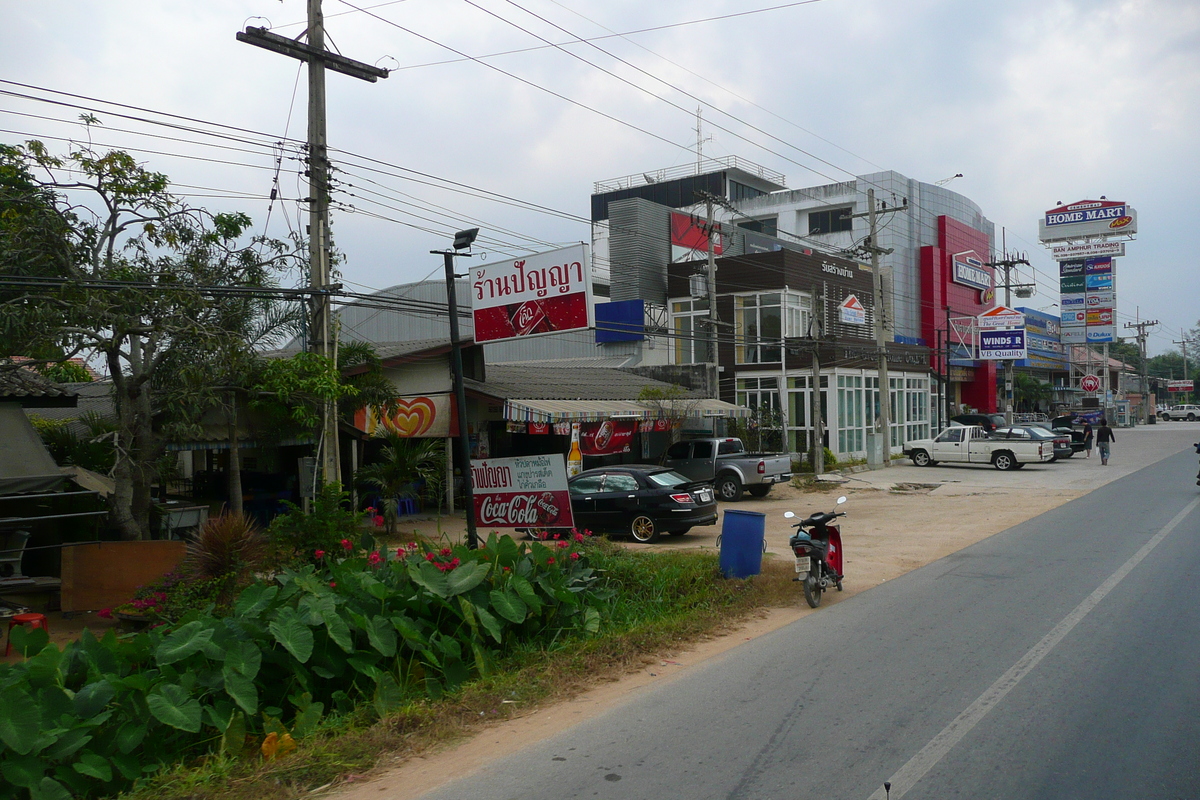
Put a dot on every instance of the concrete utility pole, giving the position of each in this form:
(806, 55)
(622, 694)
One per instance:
(1145, 380)
(321, 339)
(1008, 264)
(712, 289)
(816, 324)
(885, 394)
(1183, 346)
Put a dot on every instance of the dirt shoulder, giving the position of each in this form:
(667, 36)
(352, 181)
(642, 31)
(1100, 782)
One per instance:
(898, 519)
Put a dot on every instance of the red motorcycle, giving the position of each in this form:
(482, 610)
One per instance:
(818, 549)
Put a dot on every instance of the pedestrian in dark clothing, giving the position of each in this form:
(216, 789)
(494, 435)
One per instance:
(1087, 439)
(1104, 440)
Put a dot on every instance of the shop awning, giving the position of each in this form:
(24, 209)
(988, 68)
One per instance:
(598, 410)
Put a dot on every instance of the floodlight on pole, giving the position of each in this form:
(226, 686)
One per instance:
(464, 239)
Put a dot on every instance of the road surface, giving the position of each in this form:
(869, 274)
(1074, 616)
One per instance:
(1056, 659)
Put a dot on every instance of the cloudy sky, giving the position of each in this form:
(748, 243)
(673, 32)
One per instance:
(482, 123)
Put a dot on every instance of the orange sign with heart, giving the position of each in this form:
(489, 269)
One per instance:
(413, 416)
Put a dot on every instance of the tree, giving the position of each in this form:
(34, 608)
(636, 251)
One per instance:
(672, 403)
(129, 274)
(1028, 390)
(404, 462)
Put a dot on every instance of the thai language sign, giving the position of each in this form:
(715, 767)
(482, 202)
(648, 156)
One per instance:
(607, 437)
(522, 492)
(544, 293)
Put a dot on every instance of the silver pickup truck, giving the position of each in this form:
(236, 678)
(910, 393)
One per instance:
(726, 463)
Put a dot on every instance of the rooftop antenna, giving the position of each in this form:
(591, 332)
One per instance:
(700, 140)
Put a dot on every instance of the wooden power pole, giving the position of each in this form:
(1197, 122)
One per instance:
(321, 339)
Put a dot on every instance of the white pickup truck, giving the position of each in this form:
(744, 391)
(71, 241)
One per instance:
(970, 444)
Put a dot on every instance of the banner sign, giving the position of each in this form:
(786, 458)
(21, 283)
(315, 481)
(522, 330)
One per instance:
(1000, 345)
(1100, 333)
(689, 240)
(1087, 219)
(1068, 268)
(522, 492)
(1099, 316)
(1001, 317)
(606, 438)
(423, 416)
(1061, 252)
(1099, 299)
(1102, 281)
(1071, 284)
(1094, 266)
(968, 270)
(1073, 335)
(852, 311)
(539, 294)
(1179, 386)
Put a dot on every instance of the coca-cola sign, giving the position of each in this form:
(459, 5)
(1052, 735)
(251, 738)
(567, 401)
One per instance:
(607, 437)
(523, 492)
(532, 295)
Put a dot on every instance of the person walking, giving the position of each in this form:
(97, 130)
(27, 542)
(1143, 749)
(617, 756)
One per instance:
(1087, 439)
(1104, 440)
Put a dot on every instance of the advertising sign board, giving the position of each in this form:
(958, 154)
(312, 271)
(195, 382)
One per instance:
(1099, 316)
(1089, 383)
(689, 238)
(1001, 317)
(852, 311)
(1087, 219)
(607, 437)
(1100, 333)
(1066, 268)
(522, 492)
(1073, 335)
(1102, 281)
(967, 269)
(1062, 252)
(1095, 266)
(1070, 284)
(1179, 386)
(1002, 344)
(531, 296)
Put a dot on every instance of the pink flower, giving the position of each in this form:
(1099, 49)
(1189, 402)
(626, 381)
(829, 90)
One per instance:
(379, 522)
(374, 559)
(333, 584)
(561, 545)
(550, 560)
(578, 537)
(370, 509)
(430, 557)
(346, 545)
(446, 551)
(574, 556)
(412, 546)
(105, 613)
(319, 554)
(508, 569)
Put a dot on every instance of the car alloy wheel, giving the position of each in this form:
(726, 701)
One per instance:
(643, 529)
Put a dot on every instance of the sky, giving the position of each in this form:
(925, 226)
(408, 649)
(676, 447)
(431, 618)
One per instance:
(482, 123)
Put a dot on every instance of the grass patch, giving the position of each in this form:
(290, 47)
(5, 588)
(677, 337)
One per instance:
(667, 600)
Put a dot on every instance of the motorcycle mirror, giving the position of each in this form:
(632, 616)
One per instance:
(841, 500)
(789, 514)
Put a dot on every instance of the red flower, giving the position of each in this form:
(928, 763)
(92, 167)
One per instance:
(446, 551)
(379, 522)
(412, 546)
(105, 613)
(579, 537)
(374, 559)
(430, 557)
(550, 560)
(346, 545)
(333, 584)
(319, 554)
(508, 569)
(561, 545)
(574, 556)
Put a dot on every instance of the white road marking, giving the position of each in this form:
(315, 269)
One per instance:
(907, 776)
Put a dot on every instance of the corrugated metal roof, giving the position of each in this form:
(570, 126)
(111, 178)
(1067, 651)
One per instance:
(523, 410)
(538, 382)
(31, 389)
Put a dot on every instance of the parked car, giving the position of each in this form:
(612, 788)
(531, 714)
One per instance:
(971, 444)
(989, 422)
(1074, 435)
(726, 463)
(1060, 442)
(1187, 411)
(642, 500)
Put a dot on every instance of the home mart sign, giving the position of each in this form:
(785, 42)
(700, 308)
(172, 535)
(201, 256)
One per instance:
(968, 270)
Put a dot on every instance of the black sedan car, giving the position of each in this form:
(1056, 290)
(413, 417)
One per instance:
(1061, 426)
(642, 500)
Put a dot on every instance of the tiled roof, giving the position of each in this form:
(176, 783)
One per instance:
(31, 389)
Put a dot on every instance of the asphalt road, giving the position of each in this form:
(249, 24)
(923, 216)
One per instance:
(1058, 659)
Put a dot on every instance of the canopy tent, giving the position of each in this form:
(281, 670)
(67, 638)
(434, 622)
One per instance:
(25, 464)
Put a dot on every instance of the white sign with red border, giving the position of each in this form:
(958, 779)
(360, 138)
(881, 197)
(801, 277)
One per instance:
(522, 492)
(852, 311)
(532, 296)
(1179, 386)
(1001, 317)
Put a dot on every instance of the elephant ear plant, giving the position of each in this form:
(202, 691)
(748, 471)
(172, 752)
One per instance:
(360, 625)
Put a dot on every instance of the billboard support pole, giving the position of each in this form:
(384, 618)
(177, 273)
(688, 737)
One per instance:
(462, 241)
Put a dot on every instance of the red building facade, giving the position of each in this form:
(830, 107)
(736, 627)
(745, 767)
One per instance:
(955, 282)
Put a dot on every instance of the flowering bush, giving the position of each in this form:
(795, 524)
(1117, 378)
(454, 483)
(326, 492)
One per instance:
(93, 717)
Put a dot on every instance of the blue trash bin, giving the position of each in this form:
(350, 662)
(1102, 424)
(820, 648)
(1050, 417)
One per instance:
(743, 534)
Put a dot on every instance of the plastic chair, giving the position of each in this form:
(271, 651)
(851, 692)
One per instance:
(31, 619)
(405, 505)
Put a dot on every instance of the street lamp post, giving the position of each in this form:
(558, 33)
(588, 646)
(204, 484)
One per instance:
(462, 241)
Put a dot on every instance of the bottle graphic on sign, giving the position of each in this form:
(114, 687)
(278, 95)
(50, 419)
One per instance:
(575, 455)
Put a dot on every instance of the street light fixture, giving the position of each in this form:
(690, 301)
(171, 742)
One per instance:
(462, 241)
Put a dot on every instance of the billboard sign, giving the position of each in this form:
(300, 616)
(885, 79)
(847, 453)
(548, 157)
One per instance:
(1002, 344)
(1001, 317)
(1100, 333)
(522, 492)
(1068, 268)
(1072, 284)
(1099, 299)
(1087, 219)
(852, 311)
(689, 239)
(1063, 252)
(531, 296)
(1102, 281)
(967, 269)
(1096, 266)
(1179, 386)
(1073, 335)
